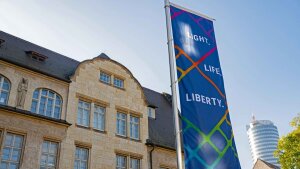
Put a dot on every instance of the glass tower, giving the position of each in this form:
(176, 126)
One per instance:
(263, 139)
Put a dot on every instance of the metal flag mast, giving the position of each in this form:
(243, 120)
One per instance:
(173, 84)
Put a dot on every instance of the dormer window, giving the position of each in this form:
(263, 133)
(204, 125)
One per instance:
(1, 42)
(151, 112)
(36, 56)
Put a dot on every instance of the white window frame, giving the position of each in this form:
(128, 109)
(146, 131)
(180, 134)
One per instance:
(138, 160)
(82, 160)
(134, 124)
(54, 105)
(119, 83)
(83, 113)
(125, 122)
(106, 79)
(128, 161)
(2, 79)
(151, 112)
(48, 153)
(20, 149)
(117, 164)
(97, 114)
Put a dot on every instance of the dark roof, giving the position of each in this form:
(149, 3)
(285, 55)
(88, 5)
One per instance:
(161, 129)
(14, 50)
(104, 56)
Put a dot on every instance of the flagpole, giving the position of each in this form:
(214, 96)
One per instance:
(173, 85)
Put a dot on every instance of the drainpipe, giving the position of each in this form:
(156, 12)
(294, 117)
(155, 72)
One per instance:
(150, 144)
(151, 156)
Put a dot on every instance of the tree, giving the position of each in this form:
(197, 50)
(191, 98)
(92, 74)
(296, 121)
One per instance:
(288, 149)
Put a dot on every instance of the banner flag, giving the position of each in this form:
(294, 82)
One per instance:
(207, 132)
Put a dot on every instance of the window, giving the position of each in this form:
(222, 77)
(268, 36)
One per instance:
(81, 158)
(121, 162)
(12, 150)
(118, 83)
(104, 77)
(121, 124)
(134, 127)
(99, 118)
(1, 42)
(36, 56)
(83, 114)
(4, 90)
(49, 155)
(134, 163)
(151, 112)
(133, 123)
(46, 102)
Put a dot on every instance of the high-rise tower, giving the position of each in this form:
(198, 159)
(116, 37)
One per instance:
(263, 139)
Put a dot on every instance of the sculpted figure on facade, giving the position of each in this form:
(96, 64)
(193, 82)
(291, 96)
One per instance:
(22, 91)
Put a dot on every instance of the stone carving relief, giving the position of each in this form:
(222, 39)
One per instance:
(22, 91)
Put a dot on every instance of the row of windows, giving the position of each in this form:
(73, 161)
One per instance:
(44, 102)
(266, 141)
(269, 145)
(122, 162)
(106, 78)
(266, 154)
(5, 88)
(266, 135)
(83, 119)
(263, 128)
(48, 103)
(265, 148)
(13, 149)
(261, 132)
(258, 133)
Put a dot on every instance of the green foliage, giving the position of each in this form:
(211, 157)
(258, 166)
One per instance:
(288, 150)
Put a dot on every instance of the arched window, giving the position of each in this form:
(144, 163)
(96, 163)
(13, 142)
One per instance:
(4, 90)
(46, 102)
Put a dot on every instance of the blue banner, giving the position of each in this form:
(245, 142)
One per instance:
(207, 132)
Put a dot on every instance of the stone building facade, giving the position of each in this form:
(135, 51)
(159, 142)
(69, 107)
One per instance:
(260, 164)
(58, 113)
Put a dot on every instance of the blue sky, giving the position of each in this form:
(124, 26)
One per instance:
(258, 43)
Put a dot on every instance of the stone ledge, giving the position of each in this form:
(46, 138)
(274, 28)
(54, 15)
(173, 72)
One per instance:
(34, 115)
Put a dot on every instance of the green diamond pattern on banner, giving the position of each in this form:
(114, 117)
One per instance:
(208, 143)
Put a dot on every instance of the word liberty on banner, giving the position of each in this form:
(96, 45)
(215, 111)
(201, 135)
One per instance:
(207, 132)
